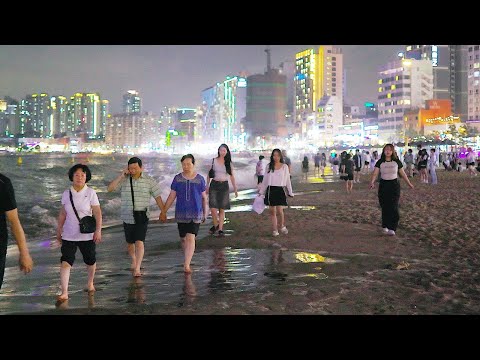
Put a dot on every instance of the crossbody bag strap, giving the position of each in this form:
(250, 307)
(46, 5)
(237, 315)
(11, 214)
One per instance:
(269, 184)
(133, 197)
(73, 205)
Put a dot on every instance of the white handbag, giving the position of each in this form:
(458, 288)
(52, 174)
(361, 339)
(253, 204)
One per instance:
(258, 204)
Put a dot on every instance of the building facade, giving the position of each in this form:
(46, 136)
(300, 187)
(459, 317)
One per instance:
(402, 85)
(132, 103)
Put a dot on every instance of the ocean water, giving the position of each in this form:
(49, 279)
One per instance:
(41, 179)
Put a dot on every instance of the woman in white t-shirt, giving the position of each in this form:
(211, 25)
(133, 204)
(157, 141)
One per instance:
(273, 187)
(389, 167)
(470, 162)
(86, 203)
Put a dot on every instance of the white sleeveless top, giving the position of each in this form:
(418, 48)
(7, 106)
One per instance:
(220, 171)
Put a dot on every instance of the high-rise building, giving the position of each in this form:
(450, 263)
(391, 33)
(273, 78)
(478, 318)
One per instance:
(59, 115)
(86, 114)
(317, 75)
(132, 132)
(449, 64)
(402, 84)
(92, 114)
(288, 69)
(266, 105)
(3, 118)
(224, 108)
(473, 97)
(132, 103)
(329, 117)
(35, 115)
(104, 116)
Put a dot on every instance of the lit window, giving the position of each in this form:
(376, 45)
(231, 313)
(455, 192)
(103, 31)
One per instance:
(380, 81)
(393, 87)
(379, 89)
(389, 95)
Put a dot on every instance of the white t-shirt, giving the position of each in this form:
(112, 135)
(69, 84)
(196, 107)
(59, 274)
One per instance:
(471, 157)
(83, 200)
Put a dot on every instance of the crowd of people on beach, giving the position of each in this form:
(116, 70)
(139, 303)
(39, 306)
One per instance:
(79, 223)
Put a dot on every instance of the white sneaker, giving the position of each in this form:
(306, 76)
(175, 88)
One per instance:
(284, 230)
(391, 232)
(385, 230)
(275, 233)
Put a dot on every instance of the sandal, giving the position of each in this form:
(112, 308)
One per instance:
(213, 229)
(221, 233)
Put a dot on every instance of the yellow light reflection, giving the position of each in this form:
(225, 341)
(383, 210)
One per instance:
(305, 257)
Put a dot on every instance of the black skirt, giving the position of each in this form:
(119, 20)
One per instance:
(219, 195)
(275, 196)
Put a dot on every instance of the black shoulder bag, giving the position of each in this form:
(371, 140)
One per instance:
(140, 216)
(211, 172)
(88, 224)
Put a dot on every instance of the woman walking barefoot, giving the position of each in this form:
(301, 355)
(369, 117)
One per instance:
(273, 187)
(188, 188)
(218, 190)
(389, 167)
(82, 200)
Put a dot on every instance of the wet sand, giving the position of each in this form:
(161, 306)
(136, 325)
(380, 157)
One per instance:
(334, 260)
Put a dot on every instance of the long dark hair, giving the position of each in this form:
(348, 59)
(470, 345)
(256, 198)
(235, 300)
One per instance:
(394, 153)
(271, 165)
(228, 158)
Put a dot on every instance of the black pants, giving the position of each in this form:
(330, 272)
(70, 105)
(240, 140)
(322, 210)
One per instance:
(3, 258)
(388, 196)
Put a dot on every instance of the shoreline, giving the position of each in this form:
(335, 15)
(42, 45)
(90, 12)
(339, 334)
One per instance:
(430, 267)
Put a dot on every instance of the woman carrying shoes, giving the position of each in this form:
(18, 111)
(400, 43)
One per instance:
(273, 187)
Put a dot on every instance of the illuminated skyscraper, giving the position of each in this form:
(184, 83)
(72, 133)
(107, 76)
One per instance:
(86, 114)
(59, 115)
(223, 109)
(449, 63)
(473, 66)
(36, 115)
(402, 84)
(132, 103)
(317, 75)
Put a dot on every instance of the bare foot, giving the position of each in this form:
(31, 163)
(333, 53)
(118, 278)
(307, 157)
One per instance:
(62, 297)
(90, 290)
(187, 269)
(137, 273)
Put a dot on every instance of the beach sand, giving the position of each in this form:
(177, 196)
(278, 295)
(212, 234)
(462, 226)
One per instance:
(334, 260)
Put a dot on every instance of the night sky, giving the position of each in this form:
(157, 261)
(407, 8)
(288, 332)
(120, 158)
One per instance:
(165, 75)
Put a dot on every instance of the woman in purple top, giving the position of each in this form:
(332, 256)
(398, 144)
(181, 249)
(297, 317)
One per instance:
(188, 188)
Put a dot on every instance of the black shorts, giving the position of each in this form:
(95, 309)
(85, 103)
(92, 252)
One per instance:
(366, 163)
(358, 169)
(348, 177)
(260, 179)
(188, 228)
(87, 248)
(135, 232)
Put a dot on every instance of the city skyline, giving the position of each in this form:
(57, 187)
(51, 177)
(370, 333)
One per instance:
(164, 75)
